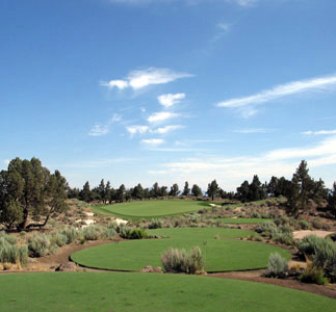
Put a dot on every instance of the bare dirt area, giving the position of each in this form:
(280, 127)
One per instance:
(256, 276)
(319, 233)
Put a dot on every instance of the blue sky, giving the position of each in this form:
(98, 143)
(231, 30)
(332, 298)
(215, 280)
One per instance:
(169, 90)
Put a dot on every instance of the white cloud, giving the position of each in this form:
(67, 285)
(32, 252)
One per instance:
(296, 87)
(153, 142)
(139, 79)
(253, 130)
(231, 171)
(320, 132)
(168, 100)
(103, 129)
(224, 27)
(161, 116)
(167, 129)
(99, 130)
(133, 130)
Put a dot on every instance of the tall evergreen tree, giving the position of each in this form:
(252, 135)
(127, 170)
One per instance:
(186, 189)
(213, 189)
(196, 191)
(174, 190)
(85, 193)
(332, 200)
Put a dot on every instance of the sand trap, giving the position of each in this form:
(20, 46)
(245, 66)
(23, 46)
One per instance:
(120, 221)
(302, 234)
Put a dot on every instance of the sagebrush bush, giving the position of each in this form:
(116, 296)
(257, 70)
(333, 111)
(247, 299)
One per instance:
(8, 252)
(58, 239)
(93, 232)
(39, 245)
(132, 233)
(277, 266)
(155, 224)
(182, 261)
(71, 234)
(23, 254)
(313, 275)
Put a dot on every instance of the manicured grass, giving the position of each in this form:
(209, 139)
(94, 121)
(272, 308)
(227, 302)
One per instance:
(134, 292)
(244, 220)
(222, 250)
(151, 208)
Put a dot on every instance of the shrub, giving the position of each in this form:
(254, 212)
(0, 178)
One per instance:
(155, 224)
(277, 266)
(180, 261)
(71, 234)
(92, 232)
(304, 225)
(39, 245)
(130, 233)
(23, 254)
(58, 239)
(8, 252)
(313, 275)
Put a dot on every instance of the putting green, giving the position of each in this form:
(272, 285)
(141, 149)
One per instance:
(151, 208)
(134, 292)
(222, 249)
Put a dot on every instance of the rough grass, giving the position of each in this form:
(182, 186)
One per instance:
(221, 248)
(133, 292)
(244, 220)
(151, 208)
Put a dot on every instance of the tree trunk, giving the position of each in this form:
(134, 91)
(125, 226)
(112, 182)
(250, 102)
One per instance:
(40, 225)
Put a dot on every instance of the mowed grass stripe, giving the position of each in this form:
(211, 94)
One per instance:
(133, 292)
(222, 250)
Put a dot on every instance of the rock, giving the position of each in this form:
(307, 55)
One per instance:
(66, 267)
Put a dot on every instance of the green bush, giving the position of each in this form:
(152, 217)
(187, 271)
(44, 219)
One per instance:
(277, 266)
(182, 261)
(304, 225)
(93, 232)
(130, 233)
(58, 239)
(23, 254)
(39, 245)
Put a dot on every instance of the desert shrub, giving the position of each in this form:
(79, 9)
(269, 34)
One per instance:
(39, 245)
(322, 253)
(277, 266)
(58, 239)
(313, 275)
(23, 254)
(8, 252)
(93, 232)
(155, 224)
(71, 234)
(182, 261)
(304, 225)
(285, 238)
(110, 232)
(320, 225)
(9, 238)
(132, 233)
(281, 234)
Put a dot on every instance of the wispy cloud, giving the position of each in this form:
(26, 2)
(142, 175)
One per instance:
(296, 87)
(170, 99)
(279, 162)
(138, 129)
(140, 79)
(103, 129)
(153, 142)
(253, 131)
(161, 117)
(320, 132)
(167, 129)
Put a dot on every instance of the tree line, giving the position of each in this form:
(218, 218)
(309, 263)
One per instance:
(30, 193)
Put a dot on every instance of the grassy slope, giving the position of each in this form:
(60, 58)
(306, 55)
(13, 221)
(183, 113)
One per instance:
(151, 208)
(130, 292)
(221, 249)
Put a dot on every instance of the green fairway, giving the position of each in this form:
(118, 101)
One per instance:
(134, 292)
(151, 208)
(244, 220)
(222, 250)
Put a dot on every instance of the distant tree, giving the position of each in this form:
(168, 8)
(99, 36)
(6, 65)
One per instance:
(155, 191)
(332, 200)
(85, 193)
(213, 189)
(120, 195)
(73, 192)
(186, 189)
(138, 192)
(255, 189)
(174, 190)
(196, 191)
(101, 191)
(28, 191)
(243, 191)
(107, 193)
(163, 191)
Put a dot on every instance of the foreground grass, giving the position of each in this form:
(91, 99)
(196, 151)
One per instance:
(221, 248)
(133, 292)
(151, 208)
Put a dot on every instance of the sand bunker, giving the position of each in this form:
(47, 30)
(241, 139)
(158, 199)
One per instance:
(302, 234)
